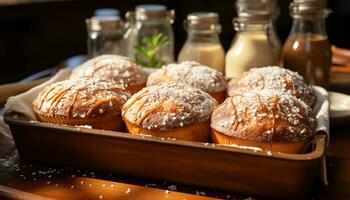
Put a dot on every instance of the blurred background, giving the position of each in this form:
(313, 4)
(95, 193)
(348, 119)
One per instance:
(39, 34)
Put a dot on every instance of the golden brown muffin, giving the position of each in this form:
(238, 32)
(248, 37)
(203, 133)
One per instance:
(171, 110)
(275, 78)
(194, 74)
(82, 102)
(265, 119)
(118, 69)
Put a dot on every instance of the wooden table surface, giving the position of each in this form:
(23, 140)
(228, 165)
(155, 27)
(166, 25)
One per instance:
(59, 182)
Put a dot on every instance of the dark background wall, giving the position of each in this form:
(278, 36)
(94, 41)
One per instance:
(36, 36)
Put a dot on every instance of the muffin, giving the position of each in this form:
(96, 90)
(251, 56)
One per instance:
(275, 78)
(264, 119)
(117, 69)
(194, 74)
(170, 110)
(82, 102)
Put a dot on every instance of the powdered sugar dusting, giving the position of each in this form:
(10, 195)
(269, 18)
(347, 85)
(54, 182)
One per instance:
(168, 106)
(191, 73)
(264, 116)
(80, 98)
(119, 69)
(275, 78)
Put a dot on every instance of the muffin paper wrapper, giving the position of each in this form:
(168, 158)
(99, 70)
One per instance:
(198, 132)
(297, 147)
(111, 122)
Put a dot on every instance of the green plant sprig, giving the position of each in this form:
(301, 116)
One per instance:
(146, 52)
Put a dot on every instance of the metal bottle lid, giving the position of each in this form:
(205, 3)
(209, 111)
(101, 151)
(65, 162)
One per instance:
(153, 11)
(203, 18)
(259, 8)
(248, 17)
(107, 12)
(303, 5)
(203, 21)
(308, 8)
(105, 23)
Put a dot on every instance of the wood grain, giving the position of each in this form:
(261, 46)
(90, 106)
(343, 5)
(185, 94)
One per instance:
(12, 193)
(93, 188)
(338, 160)
(238, 170)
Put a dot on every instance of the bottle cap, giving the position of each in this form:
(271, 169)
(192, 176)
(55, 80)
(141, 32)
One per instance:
(107, 12)
(310, 7)
(203, 18)
(303, 5)
(105, 23)
(148, 11)
(251, 8)
(205, 21)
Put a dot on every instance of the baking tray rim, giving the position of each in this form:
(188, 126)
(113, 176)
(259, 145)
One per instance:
(317, 153)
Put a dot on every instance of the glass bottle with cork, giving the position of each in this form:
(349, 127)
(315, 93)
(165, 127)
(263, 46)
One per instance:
(203, 42)
(307, 49)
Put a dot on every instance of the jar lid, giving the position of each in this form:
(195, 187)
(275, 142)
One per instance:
(250, 8)
(107, 12)
(253, 18)
(203, 21)
(151, 7)
(310, 6)
(107, 23)
(148, 11)
(300, 5)
(203, 18)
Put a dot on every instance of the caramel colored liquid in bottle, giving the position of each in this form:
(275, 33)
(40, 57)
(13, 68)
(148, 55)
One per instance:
(310, 56)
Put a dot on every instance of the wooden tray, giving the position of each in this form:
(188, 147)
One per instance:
(244, 171)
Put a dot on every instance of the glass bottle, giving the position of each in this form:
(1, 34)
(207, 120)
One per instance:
(265, 7)
(203, 43)
(307, 49)
(150, 37)
(105, 35)
(251, 46)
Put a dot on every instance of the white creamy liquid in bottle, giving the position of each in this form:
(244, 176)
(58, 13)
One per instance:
(256, 43)
(210, 54)
(264, 12)
(248, 50)
(203, 42)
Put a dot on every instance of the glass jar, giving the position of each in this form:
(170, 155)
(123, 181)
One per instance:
(150, 37)
(246, 8)
(307, 49)
(203, 43)
(105, 35)
(251, 46)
